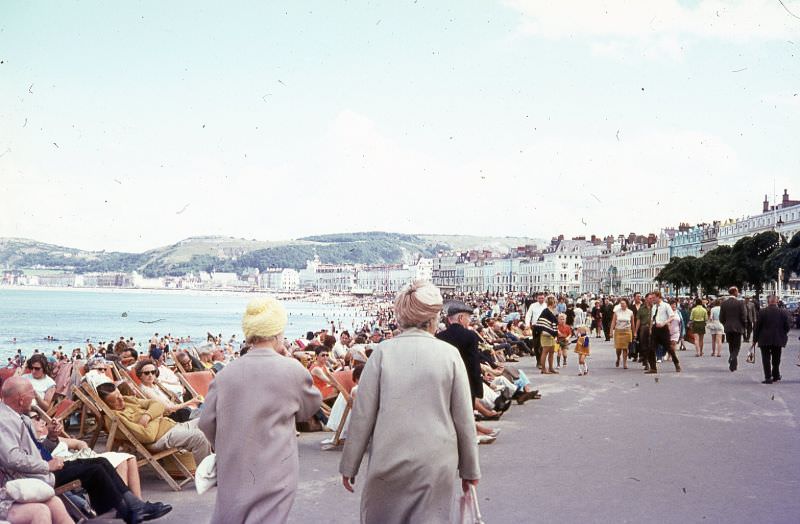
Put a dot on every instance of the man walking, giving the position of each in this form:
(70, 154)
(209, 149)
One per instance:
(752, 315)
(662, 315)
(771, 333)
(733, 315)
(531, 318)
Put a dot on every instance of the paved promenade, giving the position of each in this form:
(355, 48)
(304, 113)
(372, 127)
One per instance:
(705, 445)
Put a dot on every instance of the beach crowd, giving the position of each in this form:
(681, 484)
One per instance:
(451, 362)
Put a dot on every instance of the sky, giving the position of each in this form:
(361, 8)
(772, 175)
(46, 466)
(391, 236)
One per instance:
(132, 125)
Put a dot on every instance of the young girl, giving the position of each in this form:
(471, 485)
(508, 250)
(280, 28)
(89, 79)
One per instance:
(582, 349)
(564, 333)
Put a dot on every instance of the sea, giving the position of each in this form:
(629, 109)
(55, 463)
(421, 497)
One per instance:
(44, 319)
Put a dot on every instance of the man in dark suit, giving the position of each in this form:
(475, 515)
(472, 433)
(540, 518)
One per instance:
(466, 341)
(771, 333)
(733, 315)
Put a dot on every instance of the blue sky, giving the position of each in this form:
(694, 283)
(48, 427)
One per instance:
(275, 121)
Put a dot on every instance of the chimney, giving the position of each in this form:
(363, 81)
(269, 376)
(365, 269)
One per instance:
(766, 204)
(785, 197)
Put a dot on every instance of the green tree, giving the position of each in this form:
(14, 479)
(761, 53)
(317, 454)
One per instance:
(748, 257)
(681, 272)
(786, 257)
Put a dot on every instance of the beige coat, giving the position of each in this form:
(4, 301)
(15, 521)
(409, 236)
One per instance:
(249, 417)
(414, 408)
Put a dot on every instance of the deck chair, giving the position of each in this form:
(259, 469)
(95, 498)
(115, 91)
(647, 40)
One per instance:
(343, 382)
(197, 383)
(47, 418)
(119, 434)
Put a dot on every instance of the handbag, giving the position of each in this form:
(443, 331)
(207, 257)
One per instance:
(468, 511)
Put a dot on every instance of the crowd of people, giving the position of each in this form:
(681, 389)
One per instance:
(452, 362)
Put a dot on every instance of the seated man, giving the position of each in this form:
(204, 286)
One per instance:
(23, 456)
(188, 362)
(146, 420)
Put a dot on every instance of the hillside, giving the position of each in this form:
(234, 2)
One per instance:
(231, 254)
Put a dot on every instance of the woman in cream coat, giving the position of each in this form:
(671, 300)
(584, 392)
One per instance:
(414, 408)
(249, 417)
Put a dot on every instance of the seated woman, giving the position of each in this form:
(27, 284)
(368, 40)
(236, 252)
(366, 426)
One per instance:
(52, 510)
(320, 374)
(96, 372)
(72, 449)
(166, 377)
(43, 385)
(147, 372)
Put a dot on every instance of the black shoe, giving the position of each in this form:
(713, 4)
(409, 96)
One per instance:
(776, 379)
(650, 372)
(155, 510)
(768, 381)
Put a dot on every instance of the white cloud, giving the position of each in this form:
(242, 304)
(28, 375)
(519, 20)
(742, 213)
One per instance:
(720, 19)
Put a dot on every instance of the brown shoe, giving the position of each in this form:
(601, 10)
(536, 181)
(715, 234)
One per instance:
(677, 369)
(523, 398)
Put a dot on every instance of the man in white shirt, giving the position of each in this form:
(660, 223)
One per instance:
(531, 317)
(661, 314)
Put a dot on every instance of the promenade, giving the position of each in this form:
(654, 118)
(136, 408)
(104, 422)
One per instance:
(705, 445)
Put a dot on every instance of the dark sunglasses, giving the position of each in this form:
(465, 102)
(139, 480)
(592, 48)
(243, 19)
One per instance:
(36, 368)
(34, 416)
(149, 372)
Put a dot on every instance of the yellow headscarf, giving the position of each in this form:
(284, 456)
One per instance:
(264, 317)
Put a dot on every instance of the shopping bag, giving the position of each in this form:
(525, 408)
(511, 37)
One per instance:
(467, 511)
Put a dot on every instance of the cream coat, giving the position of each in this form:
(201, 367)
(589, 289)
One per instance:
(414, 407)
(249, 417)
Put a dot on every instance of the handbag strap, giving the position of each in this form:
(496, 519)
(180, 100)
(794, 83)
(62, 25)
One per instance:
(474, 496)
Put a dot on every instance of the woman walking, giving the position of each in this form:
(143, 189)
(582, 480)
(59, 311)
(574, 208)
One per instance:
(249, 417)
(548, 326)
(622, 331)
(414, 464)
(698, 318)
(715, 329)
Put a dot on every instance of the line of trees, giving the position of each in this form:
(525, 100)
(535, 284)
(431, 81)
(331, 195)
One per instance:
(752, 261)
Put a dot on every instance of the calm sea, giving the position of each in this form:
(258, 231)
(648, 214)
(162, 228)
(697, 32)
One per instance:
(72, 316)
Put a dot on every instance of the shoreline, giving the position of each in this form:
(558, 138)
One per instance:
(321, 297)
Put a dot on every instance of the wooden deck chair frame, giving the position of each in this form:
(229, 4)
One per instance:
(74, 511)
(117, 430)
(336, 441)
(47, 418)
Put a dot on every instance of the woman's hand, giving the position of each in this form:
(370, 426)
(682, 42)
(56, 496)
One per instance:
(348, 482)
(466, 483)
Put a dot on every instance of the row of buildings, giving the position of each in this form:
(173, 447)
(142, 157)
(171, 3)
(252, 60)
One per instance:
(610, 265)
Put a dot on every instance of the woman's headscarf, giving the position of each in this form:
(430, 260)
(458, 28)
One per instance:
(264, 317)
(417, 304)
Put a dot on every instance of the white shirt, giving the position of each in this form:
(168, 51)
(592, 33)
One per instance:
(663, 314)
(533, 313)
(41, 385)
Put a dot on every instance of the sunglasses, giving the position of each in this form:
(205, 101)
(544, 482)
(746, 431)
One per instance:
(149, 372)
(34, 416)
(36, 368)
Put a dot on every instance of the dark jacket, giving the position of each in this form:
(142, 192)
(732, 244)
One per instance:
(772, 327)
(733, 315)
(466, 342)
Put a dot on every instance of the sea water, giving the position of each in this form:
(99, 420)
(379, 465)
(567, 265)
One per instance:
(71, 316)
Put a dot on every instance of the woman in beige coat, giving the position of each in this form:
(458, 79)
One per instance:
(249, 417)
(414, 408)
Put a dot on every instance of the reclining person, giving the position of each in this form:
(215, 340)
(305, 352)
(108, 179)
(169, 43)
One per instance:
(148, 373)
(22, 455)
(146, 420)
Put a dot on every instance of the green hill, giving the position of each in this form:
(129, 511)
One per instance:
(214, 253)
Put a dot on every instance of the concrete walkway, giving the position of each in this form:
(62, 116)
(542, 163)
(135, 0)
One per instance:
(705, 445)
